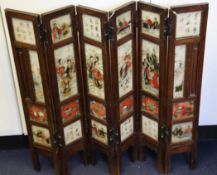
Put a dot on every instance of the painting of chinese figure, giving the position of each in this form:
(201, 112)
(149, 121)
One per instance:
(92, 27)
(66, 71)
(98, 110)
(94, 66)
(125, 68)
(188, 24)
(61, 28)
(150, 128)
(151, 23)
(183, 110)
(150, 67)
(41, 136)
(150, 106)
(123, 23)
(38, 114)
(99, 132)
(127, 129)
(126, 106)
(179, 71)
(182, 132)
(36, 76)
(70, 111)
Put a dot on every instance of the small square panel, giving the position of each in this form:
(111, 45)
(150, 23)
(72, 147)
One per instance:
(188, 24)
(61, 28)
(183, 110)
(38, 114)
(150, 128)
(41, 136)
(179, 71)
(99, 132)
(92, 27)
(66, 71)
(182, 132)
(70, 111)
(23, 31)
(123, 24)
(126, 106)
(151, 23)
(150, 106)
(127, 129)
(98, 110)
(72, 132)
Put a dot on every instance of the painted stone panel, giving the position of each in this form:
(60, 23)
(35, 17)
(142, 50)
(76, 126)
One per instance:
(41, 136)
(98, 110)
(183, 110)
(150, 128)
(126, 106)
(127, 129)
(99, 132)
(38, 114)
(150, 106)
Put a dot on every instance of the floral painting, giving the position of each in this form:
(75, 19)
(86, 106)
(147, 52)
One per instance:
(41, 136)
(99, 132)
(126, 106)
(72, 132)
(70, 111)
(123, 23)
(94, 66)
(150, 106)
(66, 71)
(23, 31)
(188, 24)
(61, 28)
(125, 68)
(179, 71)
(92, 27)
(127, 129)
(98, 110)
(36, 76)
(183, 110)
(151, 23)
(38, 114)
(150, 67)
(150, 128)
(182, 132)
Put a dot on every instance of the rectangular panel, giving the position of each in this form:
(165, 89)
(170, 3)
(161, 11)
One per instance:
(150, 106)
(151, 23)
(94, 67)
(125, 68)
(183, 110)
(61, 28)
(97, 110)
(150, 67)
(72, 132)
(127, 128)
(92, 27)
(179, 71)
(124, 25)
(70, 111)
(36, 76)
(38, 114)
(126, 107)
(41, 136)
(150, 128)
(188, 24)
(23, 31)
(182, 132)
(66, 71)
(99, 132)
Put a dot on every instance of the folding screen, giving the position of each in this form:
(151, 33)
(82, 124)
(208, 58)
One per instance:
(108, 81)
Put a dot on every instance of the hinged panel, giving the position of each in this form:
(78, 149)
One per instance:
(153, 29)
(186, 52)
(123, 61)
(65, 71)
(30, 64)
(95, 32)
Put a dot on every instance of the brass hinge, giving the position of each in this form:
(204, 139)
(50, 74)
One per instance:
(167, 28)
(113, 137)
(43, 33)
(164, 133)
